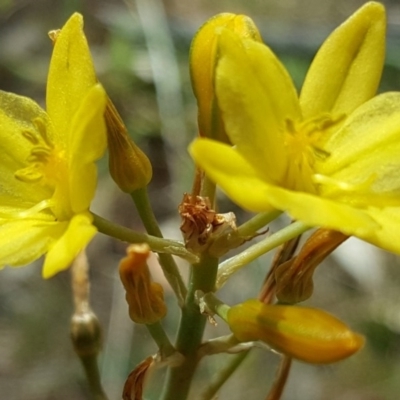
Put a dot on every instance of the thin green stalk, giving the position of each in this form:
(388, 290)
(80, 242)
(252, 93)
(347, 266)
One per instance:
(158, 245)
(223, 375)
(257, 222)
(234, 264)
(170, 269)
(93, 376)
(160, 337)
(191, 329)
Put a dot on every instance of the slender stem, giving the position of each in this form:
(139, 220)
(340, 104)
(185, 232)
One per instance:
(280, 379)
(170, 269)
(222, 376)
(156, 244)
(160, 337)
(93, 376)
(234, 264)
(257, 222)
(191, 329)
(215, 305)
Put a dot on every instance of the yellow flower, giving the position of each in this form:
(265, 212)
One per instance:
(329, 157)
(47, 172)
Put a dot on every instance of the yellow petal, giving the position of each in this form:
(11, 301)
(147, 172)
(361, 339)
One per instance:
(71, 75)
(256, 96)
(78, 233)
(23, 241)
(322, 212)
(203, 60)
(388, 233)
(364, 157)
(17, 116)
(226, 167)
(87, 142)
(347, 69)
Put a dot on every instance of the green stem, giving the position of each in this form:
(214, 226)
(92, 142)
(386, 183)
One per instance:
(160, 337)
(222, 376)
(170, 269)
(260, 220)
(215, 305)
(234, 264)
(156, 244)
(93, 376)
(191, 329)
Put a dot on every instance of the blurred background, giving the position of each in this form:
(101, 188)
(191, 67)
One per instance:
(140, 49)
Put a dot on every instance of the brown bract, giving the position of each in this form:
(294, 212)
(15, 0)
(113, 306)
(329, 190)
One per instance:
(201, 225)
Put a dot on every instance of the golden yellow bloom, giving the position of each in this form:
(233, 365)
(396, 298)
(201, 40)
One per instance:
(308, 334)
(329, 157)
(47, 172)
(203, 60)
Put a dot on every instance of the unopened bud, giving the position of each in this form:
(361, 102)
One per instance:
(144, 297)
(294, 278)
(203, 62)
(129, 166)
(86, 333)
(308, 334)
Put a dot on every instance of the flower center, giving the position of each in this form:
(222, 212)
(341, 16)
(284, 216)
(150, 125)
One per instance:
(46, 164)
(303, 142)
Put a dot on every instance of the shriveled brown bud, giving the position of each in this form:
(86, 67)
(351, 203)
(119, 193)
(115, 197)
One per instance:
(294, 278)
(202, 226)
(144, 297)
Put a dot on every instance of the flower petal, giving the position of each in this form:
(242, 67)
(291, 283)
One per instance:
(71, 75)
(76, 237)
(203, 59)
(87, 143)
(256, 96)
(17, 116)
(322, 212)
(25, 240)
(364, 155)
(347, 68)
(387, 236)
(226, 167)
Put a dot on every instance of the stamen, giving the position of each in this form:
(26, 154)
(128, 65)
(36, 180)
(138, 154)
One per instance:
(37, 208)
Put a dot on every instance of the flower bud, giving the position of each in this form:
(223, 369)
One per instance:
(294, 278)
(144, 297)
(308, 334)
(86, 333)
(203, 61)
(129, 166)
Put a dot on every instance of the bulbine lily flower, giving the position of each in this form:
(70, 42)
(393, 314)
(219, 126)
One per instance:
(47, 170)
(329, 157)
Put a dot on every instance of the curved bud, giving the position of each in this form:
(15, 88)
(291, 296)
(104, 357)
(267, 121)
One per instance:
(203, 61)
(308, 334)
(129, 166)
(144, 297)
(294, 278)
